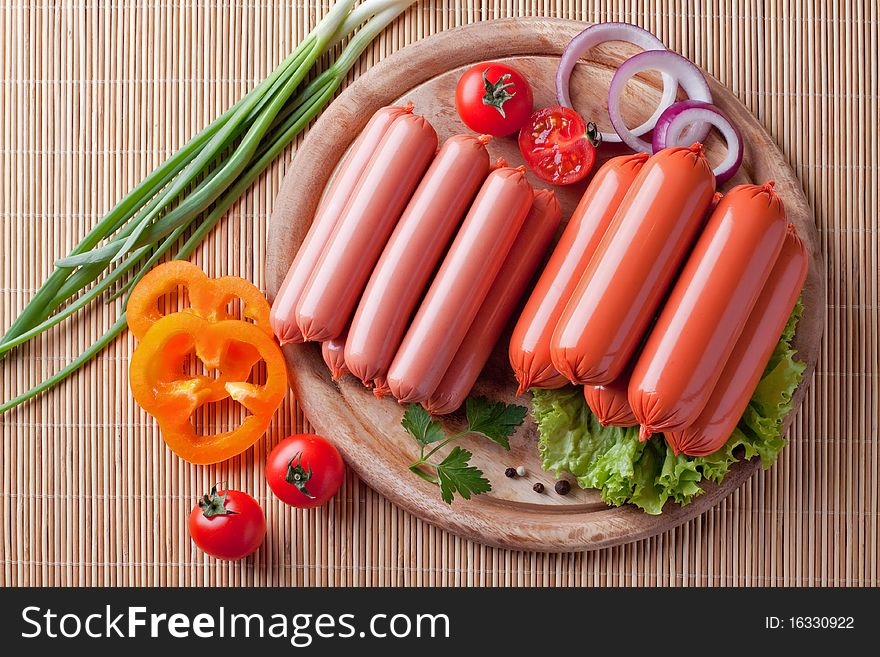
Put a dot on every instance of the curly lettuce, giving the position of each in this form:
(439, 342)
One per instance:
(648, 474)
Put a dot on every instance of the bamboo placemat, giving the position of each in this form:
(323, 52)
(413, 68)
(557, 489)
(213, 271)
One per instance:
(95, 94)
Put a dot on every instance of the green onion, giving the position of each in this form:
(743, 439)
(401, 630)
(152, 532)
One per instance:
(197, 185)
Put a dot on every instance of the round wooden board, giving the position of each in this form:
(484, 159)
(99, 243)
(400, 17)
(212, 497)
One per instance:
(367, 431)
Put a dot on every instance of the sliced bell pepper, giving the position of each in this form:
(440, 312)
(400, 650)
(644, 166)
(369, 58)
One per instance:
(208, 297)
(162, 387)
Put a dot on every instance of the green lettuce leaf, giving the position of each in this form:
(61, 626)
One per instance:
(624, 470)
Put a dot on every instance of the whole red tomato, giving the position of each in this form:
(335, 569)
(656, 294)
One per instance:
(304, 470)
(558, 146)
(493, 99)
(227, 525)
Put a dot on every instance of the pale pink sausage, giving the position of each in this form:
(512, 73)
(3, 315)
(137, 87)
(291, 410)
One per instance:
(380, 387)
(281, 317)
(392, 174)
(630, 273)
(525, 255)
(461, 285)
(747, 361)
(412, 253)
(333, 352)
(530, 343)
(707, 309)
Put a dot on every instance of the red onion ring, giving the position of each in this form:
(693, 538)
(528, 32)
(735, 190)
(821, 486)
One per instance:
(658, 137)
(600, 33)
(685, 71)
(671, 128)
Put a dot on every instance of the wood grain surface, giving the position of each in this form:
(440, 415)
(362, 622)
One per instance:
(367, 430)
(95, 94)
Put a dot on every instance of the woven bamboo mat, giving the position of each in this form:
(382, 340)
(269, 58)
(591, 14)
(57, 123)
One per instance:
(96, 93)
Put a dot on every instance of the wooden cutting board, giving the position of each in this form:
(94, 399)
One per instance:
(367, 431)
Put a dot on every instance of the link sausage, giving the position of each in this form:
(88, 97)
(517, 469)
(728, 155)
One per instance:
(530, 342)
(392, 174)
(525, 255)
(753, 349)
(412, 253)
(461, 285)
(609, 403)
(333, 352)
(633, 267)
(380, 387)
(707, 309)
(282, 317)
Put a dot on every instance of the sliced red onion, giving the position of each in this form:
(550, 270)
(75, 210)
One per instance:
(600, 33)
(658, 137)
(687, 74)
(676, 119)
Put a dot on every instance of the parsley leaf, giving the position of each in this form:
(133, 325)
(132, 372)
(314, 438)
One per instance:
(495, 420)
(457, 475)
(419, 424)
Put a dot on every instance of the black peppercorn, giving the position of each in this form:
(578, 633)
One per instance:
(510, 472)
(562, 487)
(538, 488)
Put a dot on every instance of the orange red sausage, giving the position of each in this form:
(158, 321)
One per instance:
(530, 343)
(745, 366)
(631, 271)
(707, 309)
(609, 403)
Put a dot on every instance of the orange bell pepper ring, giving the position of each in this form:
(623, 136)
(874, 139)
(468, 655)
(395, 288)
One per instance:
(209, 298)
(162, 387)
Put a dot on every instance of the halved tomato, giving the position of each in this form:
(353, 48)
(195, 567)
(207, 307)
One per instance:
(558, 145)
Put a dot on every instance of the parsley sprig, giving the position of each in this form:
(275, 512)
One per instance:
(454, 474)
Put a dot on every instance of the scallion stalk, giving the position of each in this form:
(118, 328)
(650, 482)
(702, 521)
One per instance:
(261, 125)
(180, 170)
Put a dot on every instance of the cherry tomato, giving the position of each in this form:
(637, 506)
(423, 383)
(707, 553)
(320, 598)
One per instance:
(558, 146)
(493, 99)
(228, 524)
(304, 470)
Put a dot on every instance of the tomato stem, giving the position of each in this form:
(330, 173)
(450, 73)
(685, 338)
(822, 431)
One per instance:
(593, 135)
(213, 504)
(297, 475)
(497, 93)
